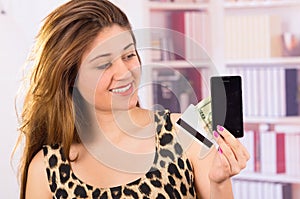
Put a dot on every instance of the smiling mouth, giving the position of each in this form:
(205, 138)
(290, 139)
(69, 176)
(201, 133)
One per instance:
(122, 89)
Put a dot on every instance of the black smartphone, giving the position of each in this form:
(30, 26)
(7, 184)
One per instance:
(226, 104)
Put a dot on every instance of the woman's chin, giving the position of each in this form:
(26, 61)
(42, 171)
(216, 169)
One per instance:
(133, 101)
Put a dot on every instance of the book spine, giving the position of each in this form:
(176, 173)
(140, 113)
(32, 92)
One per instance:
(257, 149)
(281, 92)
(280, 153)
(263, 92)
(177, 19)
(291, 89)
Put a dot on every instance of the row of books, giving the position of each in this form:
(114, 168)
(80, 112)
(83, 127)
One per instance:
(273, 151)
(246, 189)
(180, 1)
(269, 91)
(196, 26)
(250, 0)
(246, 37)
(186, 38)
(254, 36)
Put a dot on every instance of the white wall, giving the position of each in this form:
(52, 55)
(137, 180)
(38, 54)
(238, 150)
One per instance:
(135, 11)
(17, 30)
(12, 54)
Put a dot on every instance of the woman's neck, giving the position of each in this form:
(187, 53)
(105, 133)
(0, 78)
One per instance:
(117, 125)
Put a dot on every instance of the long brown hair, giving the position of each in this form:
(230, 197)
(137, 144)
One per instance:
(48, 115)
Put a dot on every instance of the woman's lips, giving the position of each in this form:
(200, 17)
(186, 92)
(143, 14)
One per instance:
(123, 90)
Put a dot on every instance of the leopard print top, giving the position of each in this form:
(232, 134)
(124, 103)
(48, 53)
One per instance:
(171, 175)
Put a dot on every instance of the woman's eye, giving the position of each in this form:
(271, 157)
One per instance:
(104, 66)
(130, 55)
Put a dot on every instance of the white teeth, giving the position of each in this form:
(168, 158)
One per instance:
(121, 90)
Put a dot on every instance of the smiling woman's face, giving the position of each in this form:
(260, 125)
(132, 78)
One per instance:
(109, 74)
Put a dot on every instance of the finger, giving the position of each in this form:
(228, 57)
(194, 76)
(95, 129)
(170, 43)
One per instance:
(234, 144)
(227, 152)
(227, 136)
(224, 168)
(221, 168)
(240, 152)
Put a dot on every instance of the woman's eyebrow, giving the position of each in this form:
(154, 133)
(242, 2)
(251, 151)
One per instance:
(109, 54)
(126, 47)
(99, 56)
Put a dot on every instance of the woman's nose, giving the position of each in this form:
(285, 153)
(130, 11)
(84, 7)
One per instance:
(121, 69)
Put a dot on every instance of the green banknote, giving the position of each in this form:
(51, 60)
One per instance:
(204, 109)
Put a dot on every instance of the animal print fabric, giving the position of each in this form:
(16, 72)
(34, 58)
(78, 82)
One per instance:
(171, 175)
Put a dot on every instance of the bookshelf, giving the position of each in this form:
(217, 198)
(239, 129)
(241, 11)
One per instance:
(288, 62)
(265, 126)
(255, 64)
(261, 4)
(273, 120)
(167, 6)
(182, 63)
(268, 177)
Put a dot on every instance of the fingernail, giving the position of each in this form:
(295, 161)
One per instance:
(216, 134)
(220, 150)
(220, 128)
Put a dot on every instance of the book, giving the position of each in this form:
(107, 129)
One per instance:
(263, 92)
(272, 151)
(269, 95)
(281, 92)
(291, 92)
(176, 23)
(255, 85)
(298, 91)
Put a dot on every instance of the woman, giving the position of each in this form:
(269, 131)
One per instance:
(86, 136)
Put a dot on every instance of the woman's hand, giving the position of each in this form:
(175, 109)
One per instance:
(231, 158)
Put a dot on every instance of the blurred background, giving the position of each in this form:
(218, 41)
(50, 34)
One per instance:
(257, 39)
(19, 23)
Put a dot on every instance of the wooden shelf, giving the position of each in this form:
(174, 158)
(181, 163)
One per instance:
(261, 4)
(165, 6)
(268, 177)
(274, 120)
(181, 64)
(266, 62)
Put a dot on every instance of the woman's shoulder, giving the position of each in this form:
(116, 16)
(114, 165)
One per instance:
(37, 162)
(37, 177)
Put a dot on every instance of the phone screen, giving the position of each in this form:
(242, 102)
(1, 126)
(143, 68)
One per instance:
(226, 104)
